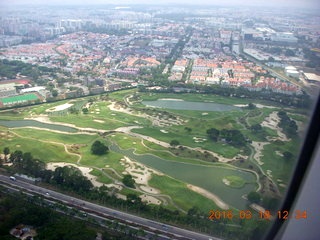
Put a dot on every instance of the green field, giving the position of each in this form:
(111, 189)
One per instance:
(19, 99)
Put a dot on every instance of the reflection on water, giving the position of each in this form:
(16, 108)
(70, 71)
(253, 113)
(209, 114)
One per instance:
(33, 123)
(195, 106)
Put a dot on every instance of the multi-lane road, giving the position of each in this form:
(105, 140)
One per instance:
(166, 230)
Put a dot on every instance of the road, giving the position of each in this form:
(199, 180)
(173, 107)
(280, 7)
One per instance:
(91, 207)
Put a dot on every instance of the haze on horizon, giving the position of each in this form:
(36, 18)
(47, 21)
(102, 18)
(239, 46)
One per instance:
(314, 4)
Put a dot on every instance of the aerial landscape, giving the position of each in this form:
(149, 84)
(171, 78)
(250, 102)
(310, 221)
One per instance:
(151, 121)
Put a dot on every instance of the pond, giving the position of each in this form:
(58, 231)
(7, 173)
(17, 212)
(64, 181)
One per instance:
(207, 177)
(33, 123)
(178, 104)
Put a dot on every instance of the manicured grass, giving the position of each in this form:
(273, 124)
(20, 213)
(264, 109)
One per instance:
(187, 140)
(280, 167)
(119, 95)
(46, 152)
(126, 142)
(235, 181)
(56, 137)
(180, 194)
(101, 177)
(126, 191)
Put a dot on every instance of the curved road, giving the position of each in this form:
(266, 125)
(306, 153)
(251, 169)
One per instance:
(91, 207)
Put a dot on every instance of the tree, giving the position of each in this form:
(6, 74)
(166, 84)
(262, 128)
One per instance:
(256, 127)
(98, 148)
(54, 93)
(251, 106)
(6, 151)
(128, 181)
(254, 197)
(85, 110)
(174, 143)
(213, 134)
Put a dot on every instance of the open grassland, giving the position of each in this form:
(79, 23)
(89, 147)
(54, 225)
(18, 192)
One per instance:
(55, 137)
(101, 177)
(180, 194)
(280, 167)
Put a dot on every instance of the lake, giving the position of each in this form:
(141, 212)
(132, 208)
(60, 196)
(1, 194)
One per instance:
(33, 123)
(207, 177)
(178, 104)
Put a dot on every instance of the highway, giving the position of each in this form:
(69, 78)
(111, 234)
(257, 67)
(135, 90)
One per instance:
(174, 232)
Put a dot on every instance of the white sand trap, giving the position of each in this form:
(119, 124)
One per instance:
(204, 114)
(258, 147)
(99, 121)
(240, 105)
(163, 131)
(60, 107)
(150, 199)
(209, 195)
(226, 181)
(149, 189)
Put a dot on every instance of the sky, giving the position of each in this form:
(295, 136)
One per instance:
(282, 3)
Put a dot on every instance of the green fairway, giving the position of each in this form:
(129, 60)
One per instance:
(234, 181)
(46, 152)
(181, 195)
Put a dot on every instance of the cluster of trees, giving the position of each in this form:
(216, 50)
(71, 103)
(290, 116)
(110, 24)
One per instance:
(19, 209)
(233, 137)
(270, 203)
(301, 101)
(128, 181)
(9, 69)
(277, 50)
(98, 148)
(67, 177)
(288, 125)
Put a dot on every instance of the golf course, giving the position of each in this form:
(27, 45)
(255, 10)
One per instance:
(178, 148)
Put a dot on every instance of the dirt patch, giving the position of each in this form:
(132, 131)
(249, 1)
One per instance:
(85, 171)
(150, 199)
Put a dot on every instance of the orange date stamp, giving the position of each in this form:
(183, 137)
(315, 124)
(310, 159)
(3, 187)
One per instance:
(248, 214)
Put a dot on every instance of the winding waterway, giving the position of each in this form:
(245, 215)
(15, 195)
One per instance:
(207, 177)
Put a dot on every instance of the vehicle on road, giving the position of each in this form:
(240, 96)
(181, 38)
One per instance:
(13, 178)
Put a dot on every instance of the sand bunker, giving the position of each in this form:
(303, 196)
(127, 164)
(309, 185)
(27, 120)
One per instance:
(149, 199)
(99, 121)
(85, 171)
(258, 147)
(60, 107)
(209, 195)
(226, 181)
(272, 122)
